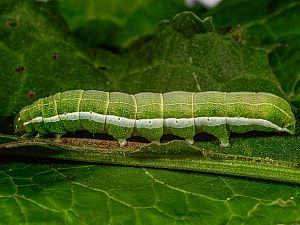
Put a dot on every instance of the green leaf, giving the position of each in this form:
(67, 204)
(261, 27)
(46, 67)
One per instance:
(187, 53)
(275, 25)
(174, 155)
(116, 23)
(38, 57)
(94, 194)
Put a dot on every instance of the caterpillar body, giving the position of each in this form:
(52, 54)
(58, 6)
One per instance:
(150, 115)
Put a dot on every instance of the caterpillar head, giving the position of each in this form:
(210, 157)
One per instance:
(19, 124)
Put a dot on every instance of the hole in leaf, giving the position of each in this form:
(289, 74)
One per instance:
(55, 55)
(12, 23)
(102, 68)
(20, 69)
(30, 94)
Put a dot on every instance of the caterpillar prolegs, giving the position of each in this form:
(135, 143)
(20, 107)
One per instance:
(150, 115)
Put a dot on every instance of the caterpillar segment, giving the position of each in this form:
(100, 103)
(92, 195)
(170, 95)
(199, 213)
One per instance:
(150, 115)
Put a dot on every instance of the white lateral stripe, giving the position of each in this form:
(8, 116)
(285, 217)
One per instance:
(179, 123)
(120, 121)
(149, 123)
(158, 122)
(210, 121)
(100, 118)
(34, 120)
(51, 119)
(69, 116)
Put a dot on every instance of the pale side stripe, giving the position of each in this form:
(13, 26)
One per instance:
(179, 123)
(120, 121)
(34, 120)
(210, 121)
(158, 122)
(68, 116)
(149, 123)
(100, 118)
(242, 121)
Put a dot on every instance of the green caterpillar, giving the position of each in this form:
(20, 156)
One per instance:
(151, 115)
